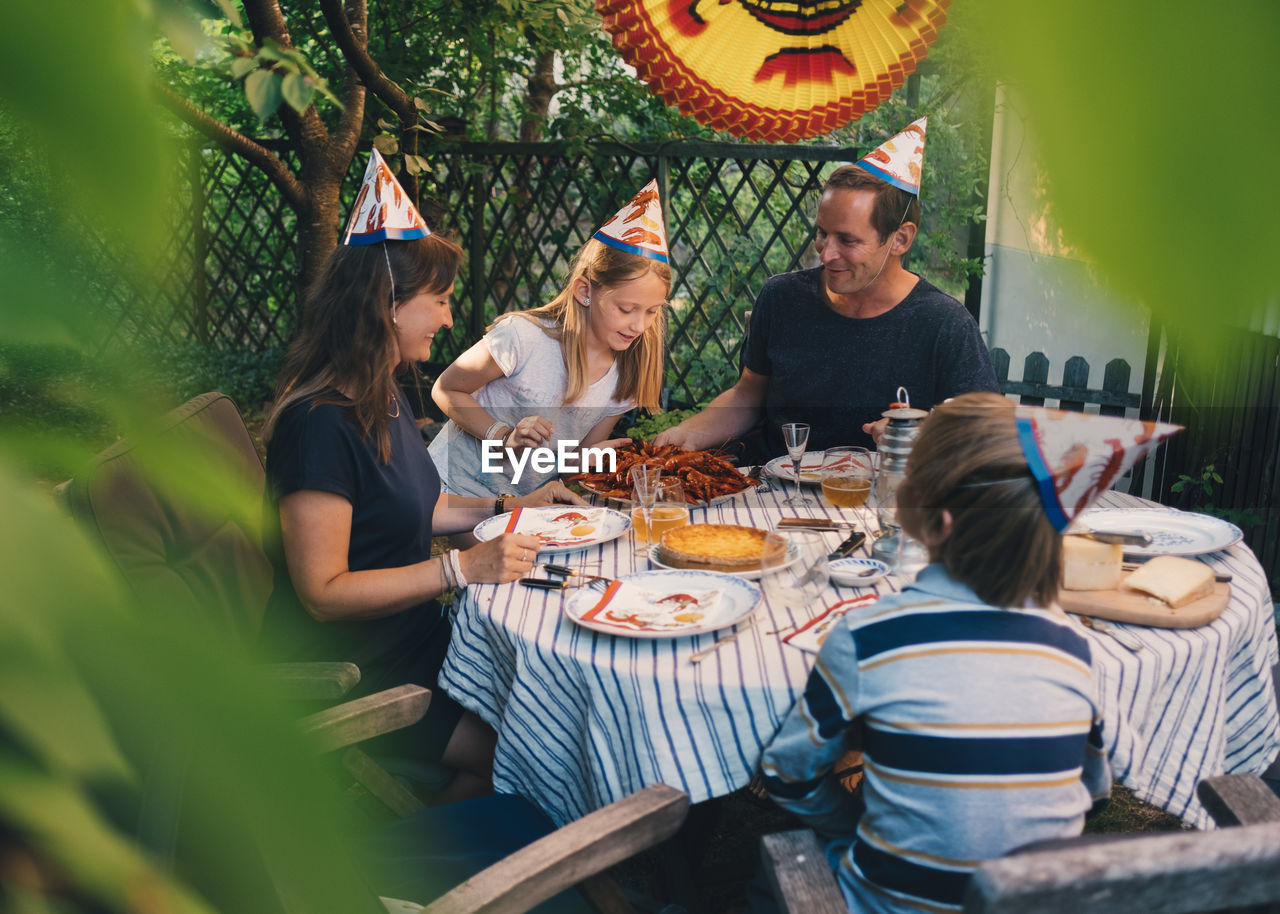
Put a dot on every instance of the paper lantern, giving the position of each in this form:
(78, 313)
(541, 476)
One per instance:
(773, 70)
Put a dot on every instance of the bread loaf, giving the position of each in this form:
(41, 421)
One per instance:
(1176, 581)
(1090, 565)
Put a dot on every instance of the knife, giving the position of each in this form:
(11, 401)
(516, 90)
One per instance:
(1122, 539)
(812, 523)
(855, 540)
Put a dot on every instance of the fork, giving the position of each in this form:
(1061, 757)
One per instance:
(700, 655)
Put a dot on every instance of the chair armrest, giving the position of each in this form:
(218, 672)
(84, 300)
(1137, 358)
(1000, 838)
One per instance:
(570, 854)
(797, 870)
(310, 681)
(364, 718)
(1239, 799)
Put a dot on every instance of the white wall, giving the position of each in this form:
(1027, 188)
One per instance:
(1038, 295)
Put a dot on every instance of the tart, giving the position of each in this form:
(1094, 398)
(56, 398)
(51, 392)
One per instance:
(713, 545)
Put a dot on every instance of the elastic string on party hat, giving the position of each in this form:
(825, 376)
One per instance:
(392, 276)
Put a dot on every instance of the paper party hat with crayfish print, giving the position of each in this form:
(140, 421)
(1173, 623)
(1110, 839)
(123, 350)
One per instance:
(383, 211)
(1075, 457)
(638, 226)
(900, 159)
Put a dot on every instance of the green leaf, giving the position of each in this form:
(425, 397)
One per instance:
(242, 66)
(297, 91)
(386, 144)
(423, 164)
(262, 89)
(420, 104)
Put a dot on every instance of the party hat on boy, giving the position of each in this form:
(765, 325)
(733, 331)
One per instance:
(383, 211)
(1075, 457)
(899, 160)
(638, 227)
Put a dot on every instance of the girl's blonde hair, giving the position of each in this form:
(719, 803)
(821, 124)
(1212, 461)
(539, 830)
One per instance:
(640, 365)
(968, 461)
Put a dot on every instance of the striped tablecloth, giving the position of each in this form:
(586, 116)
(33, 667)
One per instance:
(585, 718)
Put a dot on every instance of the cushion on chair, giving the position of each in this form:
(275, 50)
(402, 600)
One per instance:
(423, 856)
(206, 563)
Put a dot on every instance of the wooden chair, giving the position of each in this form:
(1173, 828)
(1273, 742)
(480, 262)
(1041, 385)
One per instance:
(183, 553)
(522, 875)
(1172, 873)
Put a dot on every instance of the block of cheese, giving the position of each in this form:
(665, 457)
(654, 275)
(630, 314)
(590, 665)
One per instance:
(1090, 565)
(1176, 581)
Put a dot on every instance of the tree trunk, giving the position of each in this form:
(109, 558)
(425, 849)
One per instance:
(542, 88)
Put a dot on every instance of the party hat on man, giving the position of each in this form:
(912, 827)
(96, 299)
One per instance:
(1075, 457)
(383, 211)
(638, 227)
(899, 160)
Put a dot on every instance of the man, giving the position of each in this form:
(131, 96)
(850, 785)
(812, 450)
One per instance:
(831, 346)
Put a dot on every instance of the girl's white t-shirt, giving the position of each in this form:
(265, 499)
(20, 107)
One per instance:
(534, 382)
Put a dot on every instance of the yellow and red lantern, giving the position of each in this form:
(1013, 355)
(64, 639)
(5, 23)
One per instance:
(773, 70)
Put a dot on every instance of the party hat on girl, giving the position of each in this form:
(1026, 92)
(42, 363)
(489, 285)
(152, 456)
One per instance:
(383, 211)
(1075, 457)
(899, 160)
(638, 226)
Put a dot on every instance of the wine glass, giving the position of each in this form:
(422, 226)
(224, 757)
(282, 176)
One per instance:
(794, 566)
(644, 485)
(670, 510)
(795, 435)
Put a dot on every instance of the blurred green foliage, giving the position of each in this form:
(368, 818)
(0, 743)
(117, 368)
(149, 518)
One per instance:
(1154, 120)
(94, 687)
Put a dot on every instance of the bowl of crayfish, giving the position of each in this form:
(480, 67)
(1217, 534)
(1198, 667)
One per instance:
(706, 475)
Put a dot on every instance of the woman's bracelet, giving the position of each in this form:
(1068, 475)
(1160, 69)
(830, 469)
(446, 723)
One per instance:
(446, 572)
(491, 433)
(455, 563)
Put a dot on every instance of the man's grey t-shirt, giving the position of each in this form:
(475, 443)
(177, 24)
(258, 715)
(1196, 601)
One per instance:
(837, 373)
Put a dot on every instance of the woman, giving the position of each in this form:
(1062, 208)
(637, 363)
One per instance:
(358, 501)
(564, 371)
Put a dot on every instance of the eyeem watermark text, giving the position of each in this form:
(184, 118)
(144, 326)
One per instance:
(566, 457)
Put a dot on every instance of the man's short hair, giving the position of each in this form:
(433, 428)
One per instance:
(891, 203)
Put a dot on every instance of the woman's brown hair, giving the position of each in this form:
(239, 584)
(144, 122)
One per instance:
(346, 340)
(968, 462)
(640, 365)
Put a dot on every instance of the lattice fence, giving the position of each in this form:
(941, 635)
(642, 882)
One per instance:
(735, 215)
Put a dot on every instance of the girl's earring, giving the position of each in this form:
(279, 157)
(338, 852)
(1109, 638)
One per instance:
(587, 301)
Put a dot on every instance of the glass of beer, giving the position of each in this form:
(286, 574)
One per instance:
(847, 476)
(670, 510)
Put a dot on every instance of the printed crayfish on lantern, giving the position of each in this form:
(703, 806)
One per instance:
(703, 474)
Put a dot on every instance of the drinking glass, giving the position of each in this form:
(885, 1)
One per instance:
(847, 476)
(644, 485)
(795, 435)
(670, 510)
(794, 569)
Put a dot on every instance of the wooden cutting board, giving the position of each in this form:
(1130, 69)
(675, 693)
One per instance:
(1134, 606)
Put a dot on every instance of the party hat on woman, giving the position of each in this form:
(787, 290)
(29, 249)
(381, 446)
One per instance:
(383, 211)
(638, 226)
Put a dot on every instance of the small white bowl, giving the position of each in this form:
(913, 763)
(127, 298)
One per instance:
(845, 571)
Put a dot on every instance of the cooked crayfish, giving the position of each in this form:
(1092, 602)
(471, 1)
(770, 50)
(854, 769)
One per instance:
(705, 475)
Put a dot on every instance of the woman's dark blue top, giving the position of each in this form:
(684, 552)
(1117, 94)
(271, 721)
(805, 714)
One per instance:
(319, 447)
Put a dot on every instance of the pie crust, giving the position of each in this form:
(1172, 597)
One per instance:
(721, 545)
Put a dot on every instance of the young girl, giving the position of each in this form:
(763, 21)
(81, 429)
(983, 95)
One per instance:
(969, 693)
(353, 498)
(564, 371)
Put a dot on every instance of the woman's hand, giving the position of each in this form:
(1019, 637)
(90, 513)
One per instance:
(504, 558)
(553, 493)
(531, 431)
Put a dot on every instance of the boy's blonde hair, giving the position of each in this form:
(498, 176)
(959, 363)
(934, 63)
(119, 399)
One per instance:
(968, 461)
(640, 365)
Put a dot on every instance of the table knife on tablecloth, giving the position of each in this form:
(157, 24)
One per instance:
(848, 547)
